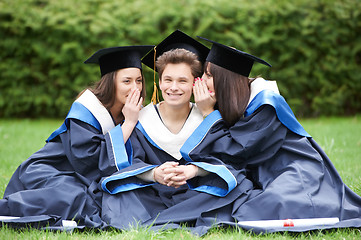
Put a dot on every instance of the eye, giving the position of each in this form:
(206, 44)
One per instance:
(126, 81)
(139, 80)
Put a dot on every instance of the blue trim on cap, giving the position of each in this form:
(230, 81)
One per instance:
(128, 186)
(283, 111)
(80, 112)
(223, 173)
(198, 134)
(140, 128)
(122, 153)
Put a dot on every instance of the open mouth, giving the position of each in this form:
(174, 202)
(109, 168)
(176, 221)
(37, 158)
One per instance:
(174, 94)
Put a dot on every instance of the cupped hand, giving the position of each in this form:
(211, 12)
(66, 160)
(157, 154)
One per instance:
(204, 98)
(132, 106)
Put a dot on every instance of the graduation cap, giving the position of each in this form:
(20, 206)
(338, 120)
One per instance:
(232, 59)
(114, 58)
(175, 40)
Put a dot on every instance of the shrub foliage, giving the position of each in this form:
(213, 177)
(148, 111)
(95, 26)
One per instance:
(313, 45)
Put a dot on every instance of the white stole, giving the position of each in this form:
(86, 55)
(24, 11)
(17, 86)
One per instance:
(259, 84)
(92, 103)
(169, 142)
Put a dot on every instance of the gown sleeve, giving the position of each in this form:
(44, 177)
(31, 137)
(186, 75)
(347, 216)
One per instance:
(146, 157)
(90, 152)
(61, 179)
(252, 140)
(259, 137)
(224, 152)
(143, 159)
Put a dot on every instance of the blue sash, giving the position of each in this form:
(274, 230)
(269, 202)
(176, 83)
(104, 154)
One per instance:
(283, 111)
(79, 112)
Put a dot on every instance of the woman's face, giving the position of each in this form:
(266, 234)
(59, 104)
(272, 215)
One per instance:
(176, 84)
(127, 79)
(207, 76)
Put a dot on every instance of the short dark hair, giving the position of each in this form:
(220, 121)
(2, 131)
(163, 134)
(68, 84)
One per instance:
(179, 55)
(232, 92)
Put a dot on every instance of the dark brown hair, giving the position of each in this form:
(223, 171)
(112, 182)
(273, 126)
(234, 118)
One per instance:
(104, 90)
(179, 55)
(232, 92)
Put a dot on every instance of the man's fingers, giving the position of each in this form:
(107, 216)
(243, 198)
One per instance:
(175, 169)
(168, 177)
(178, 178)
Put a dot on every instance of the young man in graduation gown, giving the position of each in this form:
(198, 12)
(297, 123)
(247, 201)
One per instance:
(143, 192)
(294, 176)
(60, 181)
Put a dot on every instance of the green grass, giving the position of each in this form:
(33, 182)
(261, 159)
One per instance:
(339, 136)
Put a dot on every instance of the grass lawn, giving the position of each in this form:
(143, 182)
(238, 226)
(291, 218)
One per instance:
(340, 137)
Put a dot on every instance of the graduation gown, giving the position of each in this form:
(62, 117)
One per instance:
(60, 181)
(132, 201)
(295, 177)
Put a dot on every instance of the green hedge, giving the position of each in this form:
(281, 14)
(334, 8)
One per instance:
(314, 46)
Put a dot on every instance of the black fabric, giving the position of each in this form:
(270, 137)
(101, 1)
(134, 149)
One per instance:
(232, 59)
(115, 58)
(61, 180)
(295, 177)
(158, 205)
(288, 176)
(175, 40)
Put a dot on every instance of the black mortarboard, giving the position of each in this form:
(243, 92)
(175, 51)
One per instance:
(114, 58)
(177, 39)
(232, 59)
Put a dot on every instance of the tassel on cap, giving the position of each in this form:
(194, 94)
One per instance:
(155, 95)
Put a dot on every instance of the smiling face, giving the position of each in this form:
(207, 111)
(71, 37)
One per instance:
(176, 84)
(126, 79)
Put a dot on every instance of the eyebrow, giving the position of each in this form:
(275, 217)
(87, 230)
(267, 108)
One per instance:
(182, 77)
(127, 77)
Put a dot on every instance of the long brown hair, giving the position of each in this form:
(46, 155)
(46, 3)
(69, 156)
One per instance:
(232, 92)
(104, 90)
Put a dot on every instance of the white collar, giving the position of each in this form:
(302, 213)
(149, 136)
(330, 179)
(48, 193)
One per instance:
(259, 84)
(92, 103)
(169, 142)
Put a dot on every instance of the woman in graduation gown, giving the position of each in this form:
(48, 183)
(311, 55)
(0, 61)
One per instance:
(143, 192)
(60, 181)
(249, 124)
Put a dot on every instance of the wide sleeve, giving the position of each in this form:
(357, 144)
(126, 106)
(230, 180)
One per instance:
(226, 152)
(90, 152)
(255, 139)
(143, 160)
(222, 177)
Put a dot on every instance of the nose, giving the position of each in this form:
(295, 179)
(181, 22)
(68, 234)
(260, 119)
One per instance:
(134, 85)
(174, 86)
